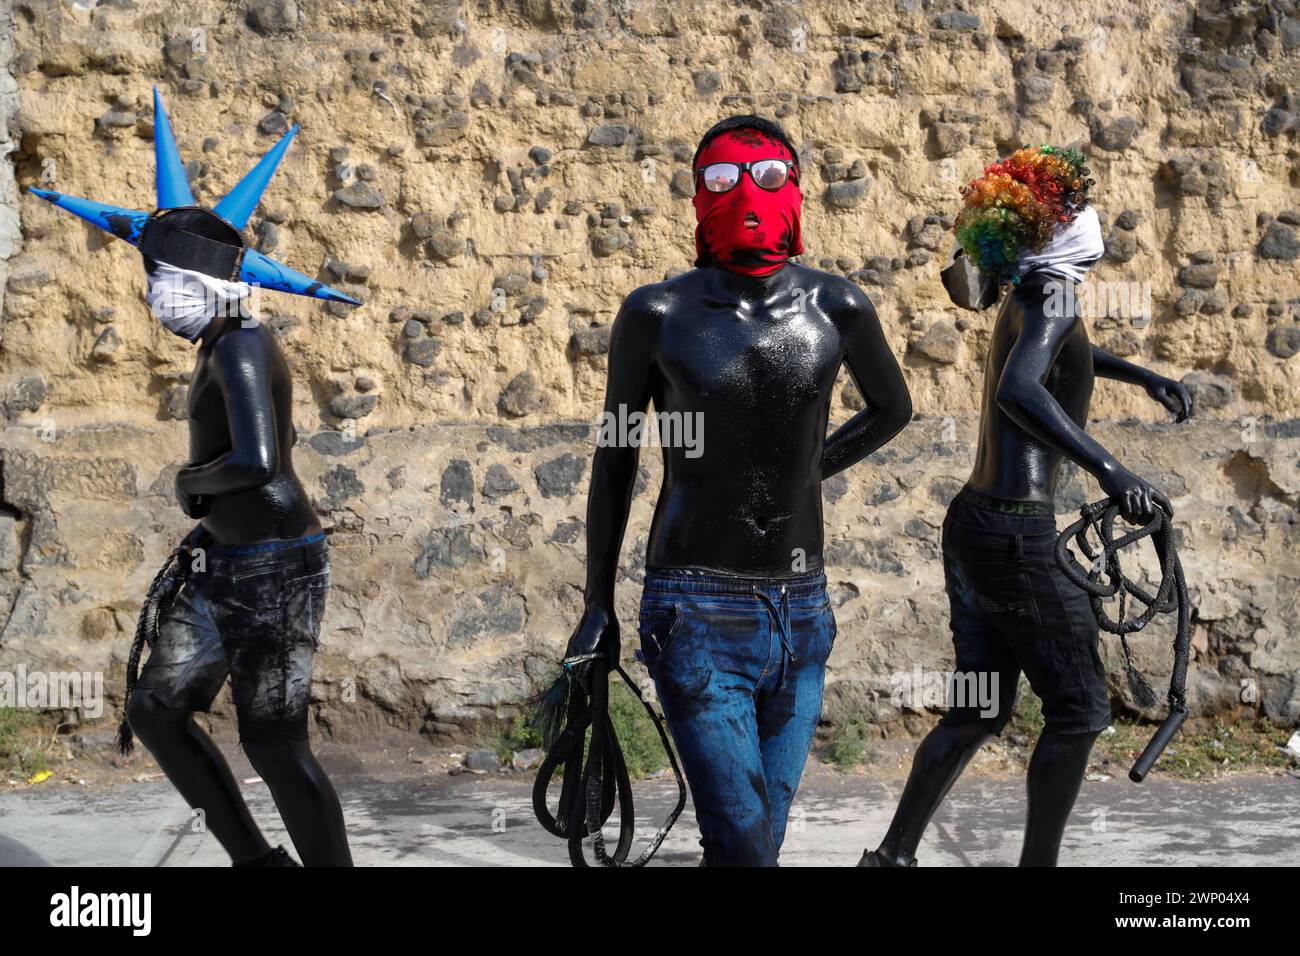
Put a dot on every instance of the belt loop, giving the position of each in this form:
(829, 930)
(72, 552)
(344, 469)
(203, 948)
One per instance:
(1020, 546)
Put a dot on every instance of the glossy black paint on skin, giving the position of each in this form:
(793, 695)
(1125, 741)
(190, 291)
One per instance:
(253, 622)
(1049, 382)
(241, 479)
(1037, 390)
(758, 358)
(244, 488)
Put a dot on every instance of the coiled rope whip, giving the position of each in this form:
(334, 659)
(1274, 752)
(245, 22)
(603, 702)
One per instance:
(1105, 578)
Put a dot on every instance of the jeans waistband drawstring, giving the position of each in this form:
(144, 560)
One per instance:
(782, 619)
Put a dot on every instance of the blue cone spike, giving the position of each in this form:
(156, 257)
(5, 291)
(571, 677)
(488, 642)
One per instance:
(174, 191)
(115, 220)
(239, 203)
(173, 184)
(270, 274)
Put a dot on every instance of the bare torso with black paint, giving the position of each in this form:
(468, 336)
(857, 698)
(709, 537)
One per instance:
(242, 438)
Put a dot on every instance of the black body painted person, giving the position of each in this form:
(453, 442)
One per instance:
(735, 623)
(1012, 609)
(250, 607)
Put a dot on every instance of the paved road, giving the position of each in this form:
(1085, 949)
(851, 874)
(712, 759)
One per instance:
(487, 821)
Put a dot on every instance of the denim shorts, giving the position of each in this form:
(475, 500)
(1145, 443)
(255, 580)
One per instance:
(251, 613)
(738, 665)
(1014, 610)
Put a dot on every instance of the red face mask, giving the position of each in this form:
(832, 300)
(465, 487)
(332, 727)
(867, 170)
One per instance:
(747, 229)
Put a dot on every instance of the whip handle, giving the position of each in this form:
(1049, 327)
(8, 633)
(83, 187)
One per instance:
(1151, 753)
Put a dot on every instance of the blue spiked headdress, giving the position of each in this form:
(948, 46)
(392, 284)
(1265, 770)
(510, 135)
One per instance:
(185, 235)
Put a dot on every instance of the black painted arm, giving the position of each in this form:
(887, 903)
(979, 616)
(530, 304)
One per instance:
(613, 478)
(1023, 397)
(614, 466)
(254, 456)
(1111, 366)
(1169, 393)
(875, 372)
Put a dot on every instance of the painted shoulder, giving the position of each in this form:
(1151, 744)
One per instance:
(655, 299)
(840, 296)
(1043, 300)
(246, 343)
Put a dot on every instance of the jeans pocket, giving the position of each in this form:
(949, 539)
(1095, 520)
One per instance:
(675, 647)
(658, 628)
(825, 630)
(1001, 595)
(262, 589)
(318, 594)
(307, 569)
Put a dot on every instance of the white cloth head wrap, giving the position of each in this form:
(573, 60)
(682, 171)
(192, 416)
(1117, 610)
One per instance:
(1072, 250)
(186, 301)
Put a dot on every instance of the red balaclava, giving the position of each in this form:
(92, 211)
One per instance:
(726, 235)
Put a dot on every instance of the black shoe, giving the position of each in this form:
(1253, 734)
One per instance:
(277, 857)
(873, 858)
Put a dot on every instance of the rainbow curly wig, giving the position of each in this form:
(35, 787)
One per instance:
(1017, 204)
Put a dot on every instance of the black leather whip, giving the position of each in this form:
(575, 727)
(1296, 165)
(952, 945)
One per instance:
(1105, 578)
(589, 794)
(162, 593)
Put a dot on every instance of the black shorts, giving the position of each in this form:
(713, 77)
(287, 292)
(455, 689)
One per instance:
(1014, 610)
(253, 614)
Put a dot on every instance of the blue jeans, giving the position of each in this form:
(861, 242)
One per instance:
(738, 664)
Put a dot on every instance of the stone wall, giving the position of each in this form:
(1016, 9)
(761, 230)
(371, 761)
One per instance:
(492, 178)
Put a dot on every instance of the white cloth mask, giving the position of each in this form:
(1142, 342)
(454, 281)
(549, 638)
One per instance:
(1072, 250)
(185, 301)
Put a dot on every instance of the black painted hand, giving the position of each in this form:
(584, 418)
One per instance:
(194, 506)
(1172, 395)
(1136, 497)
(597, 632)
